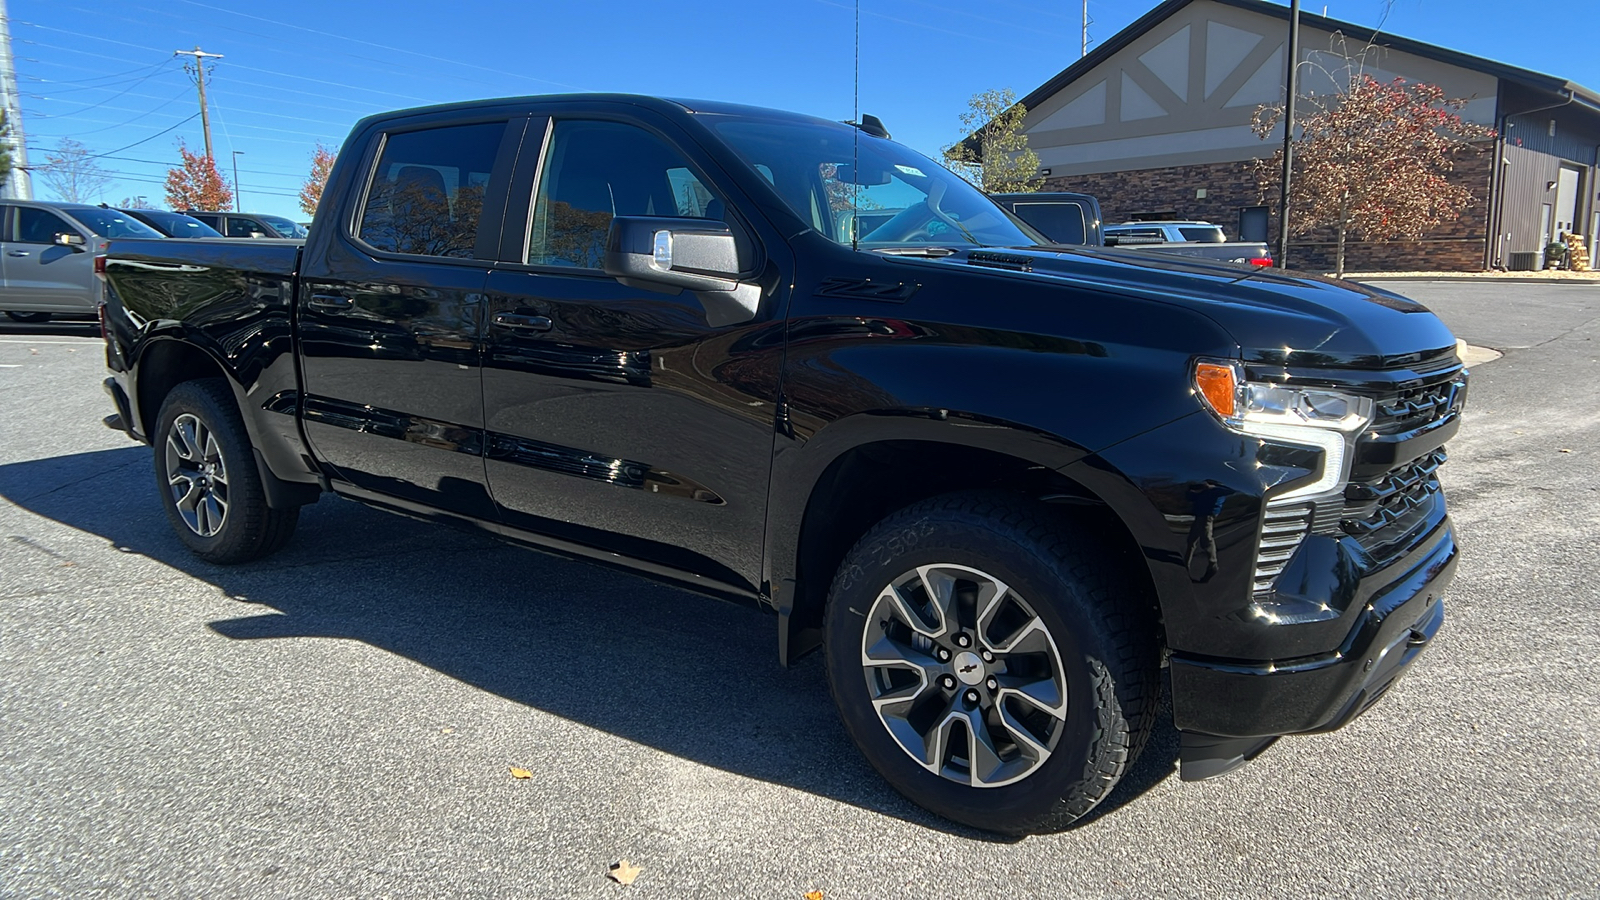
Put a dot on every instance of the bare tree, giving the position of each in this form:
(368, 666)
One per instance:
(72, 173)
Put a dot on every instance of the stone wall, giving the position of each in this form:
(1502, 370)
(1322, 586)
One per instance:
(1452, 246)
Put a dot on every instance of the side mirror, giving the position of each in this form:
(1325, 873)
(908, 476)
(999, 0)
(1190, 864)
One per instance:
(657, 253)
(70, 239)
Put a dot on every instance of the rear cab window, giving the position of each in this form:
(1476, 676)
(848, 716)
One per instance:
(427, 190)
(1203, 234)
(1061, 222)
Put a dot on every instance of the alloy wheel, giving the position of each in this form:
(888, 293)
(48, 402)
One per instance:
(964, 675)
(196, 475)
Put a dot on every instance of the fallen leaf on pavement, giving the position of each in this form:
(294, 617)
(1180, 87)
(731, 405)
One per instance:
(517, 772)
(1563, 450)
(813, 895)
(623, 872)
(447, 730)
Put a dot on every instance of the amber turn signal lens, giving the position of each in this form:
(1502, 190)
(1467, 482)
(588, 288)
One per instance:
(1217, 386)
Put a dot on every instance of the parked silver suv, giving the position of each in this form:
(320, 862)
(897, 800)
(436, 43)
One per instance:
(47, 255)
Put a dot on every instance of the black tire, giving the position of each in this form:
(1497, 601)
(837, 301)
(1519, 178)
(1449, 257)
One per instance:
(247, 528)
(30, 317)
(1100, 621)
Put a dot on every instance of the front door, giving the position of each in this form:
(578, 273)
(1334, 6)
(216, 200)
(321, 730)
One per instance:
(42, 275)
(391, 338)
(1566, 201)
(618, 419)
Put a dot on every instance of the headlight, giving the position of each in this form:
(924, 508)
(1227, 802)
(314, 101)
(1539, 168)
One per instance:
(1310, 417)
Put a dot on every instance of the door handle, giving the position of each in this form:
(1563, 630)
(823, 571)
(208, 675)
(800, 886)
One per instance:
(17, 253)
(521, 322)
(330, 302)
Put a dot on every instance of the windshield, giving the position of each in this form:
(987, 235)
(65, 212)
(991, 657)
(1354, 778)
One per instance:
(112, 223)
(283, 226)
(179, 225)
(881, 194)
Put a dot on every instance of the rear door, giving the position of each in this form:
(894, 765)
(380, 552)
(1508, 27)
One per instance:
(390, 316)
(42, 275)
(618, 419)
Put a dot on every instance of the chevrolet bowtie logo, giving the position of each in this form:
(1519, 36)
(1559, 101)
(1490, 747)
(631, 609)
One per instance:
(968, 668)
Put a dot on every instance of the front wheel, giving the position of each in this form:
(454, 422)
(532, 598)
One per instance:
(991, 662)
(206, 473)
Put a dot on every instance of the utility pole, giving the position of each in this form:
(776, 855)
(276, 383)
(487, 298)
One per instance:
(1085, 51)
(1288, 133)
(238, 203)
(200, 57)
(19, 186)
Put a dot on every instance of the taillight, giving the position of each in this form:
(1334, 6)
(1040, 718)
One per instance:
(1265, 261)
(100, 264)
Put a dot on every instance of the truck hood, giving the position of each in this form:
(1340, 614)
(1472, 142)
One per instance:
(1278, 319)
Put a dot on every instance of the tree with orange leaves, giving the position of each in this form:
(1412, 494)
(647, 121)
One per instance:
(1373, 160)
(311, 191)
(196, 184)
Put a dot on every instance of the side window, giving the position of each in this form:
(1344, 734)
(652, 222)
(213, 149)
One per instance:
(427, 192)
(596, 170)
(238, 227)
(38, 226)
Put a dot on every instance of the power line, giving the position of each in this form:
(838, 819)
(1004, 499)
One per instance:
(340, 37)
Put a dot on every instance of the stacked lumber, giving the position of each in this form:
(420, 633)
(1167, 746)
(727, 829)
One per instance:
(1577, 252)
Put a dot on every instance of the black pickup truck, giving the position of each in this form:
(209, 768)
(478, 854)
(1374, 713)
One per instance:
(1009, 488)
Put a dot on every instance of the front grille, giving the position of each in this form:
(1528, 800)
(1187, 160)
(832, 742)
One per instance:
(1399, 498)
(1419, 406)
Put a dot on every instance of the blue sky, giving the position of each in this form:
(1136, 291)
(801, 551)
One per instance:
(298, 72)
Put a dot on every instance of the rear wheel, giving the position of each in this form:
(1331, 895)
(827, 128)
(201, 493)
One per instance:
(206, 473)
(990, 662)
(29, 316)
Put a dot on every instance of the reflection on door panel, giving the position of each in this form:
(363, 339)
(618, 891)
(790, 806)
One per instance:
(392, 351)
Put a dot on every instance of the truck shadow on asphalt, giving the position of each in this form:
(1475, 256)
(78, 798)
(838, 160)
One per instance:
(669, 669)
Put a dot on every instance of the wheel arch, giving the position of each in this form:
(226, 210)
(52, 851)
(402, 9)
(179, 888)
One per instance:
(830, 491)
(165, 360)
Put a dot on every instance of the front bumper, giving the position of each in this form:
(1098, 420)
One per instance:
(1258, 699)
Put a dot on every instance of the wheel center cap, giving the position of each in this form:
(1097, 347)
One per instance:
(969, 668)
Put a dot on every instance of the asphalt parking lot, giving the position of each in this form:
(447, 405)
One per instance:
(340, 720)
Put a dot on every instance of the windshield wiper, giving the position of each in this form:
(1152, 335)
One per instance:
(931, 252)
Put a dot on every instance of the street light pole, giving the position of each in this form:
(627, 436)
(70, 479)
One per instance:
(1288, 133)
(238, 200)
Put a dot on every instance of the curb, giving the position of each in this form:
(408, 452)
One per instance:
(1482, 279)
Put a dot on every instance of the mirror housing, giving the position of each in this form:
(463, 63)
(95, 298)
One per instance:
(660, 253)
(69, 239)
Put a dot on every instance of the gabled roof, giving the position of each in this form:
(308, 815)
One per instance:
(1538, 81)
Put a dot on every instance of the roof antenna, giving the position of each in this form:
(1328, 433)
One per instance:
(855, 146)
